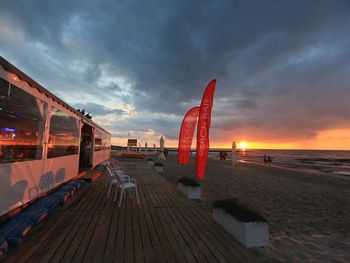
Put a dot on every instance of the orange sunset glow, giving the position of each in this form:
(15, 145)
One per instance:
(333, 139)
(243, 145)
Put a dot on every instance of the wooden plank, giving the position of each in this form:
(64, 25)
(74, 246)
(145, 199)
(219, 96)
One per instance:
(47, 248)
(197, 227)
(169, 243)
(98, 241)
(146, 240)
(43, 232)
(212, 240)
(43, 252)
(129, 247)
(205, 249)
(152, 197)
(112, 235)
(59, 246)
(76, 226)
(83, 240)
(138, 247)
(240, 253)
(192, 243)
(81, 250)
(164, 243)
(164, 224)
(119, 245)
(178, 237)
(156, 244)
(70, 251)
(91, 175)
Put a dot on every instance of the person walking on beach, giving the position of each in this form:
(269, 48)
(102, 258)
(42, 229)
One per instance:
(269, 159)
(223, 155)
(265, 159)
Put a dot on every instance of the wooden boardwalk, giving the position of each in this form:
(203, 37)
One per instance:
(165, 227)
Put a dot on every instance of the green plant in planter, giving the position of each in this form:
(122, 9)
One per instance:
(159, 164)
(239, 210)
(188, 182)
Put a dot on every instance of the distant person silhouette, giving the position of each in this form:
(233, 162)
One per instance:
(223, 155)
(269, 159)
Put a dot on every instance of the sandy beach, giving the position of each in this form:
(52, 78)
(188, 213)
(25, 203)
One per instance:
(308, 214)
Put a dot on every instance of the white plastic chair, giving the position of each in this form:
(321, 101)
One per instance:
(123, 182)
(111, 178)
(114, 168)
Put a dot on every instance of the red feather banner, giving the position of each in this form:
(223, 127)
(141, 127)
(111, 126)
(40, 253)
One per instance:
(186, 134)
(203, 129)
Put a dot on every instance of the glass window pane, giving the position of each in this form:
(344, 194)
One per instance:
(63, 135)
(106, 142)
(22, 123)
(4, 88)
(98, 140)
(98, 144)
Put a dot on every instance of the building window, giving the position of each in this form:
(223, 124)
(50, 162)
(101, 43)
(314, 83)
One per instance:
(98, 140)
(63, 135)
(22, 123)
(98, 144)
(106, 142)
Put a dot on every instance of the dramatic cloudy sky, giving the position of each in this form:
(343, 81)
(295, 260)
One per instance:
(283, 67)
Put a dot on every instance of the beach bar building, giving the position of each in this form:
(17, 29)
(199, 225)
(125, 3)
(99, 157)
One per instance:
(44, 142)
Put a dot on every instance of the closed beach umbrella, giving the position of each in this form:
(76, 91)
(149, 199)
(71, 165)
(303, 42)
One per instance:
(161, 148)
(161, 156)
(234, 157)
(154, 148)
(139, 147)
(146, 149)
(161, 143)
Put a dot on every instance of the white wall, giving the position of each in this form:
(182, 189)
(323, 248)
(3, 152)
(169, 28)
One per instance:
(22, 181)
(100, 156)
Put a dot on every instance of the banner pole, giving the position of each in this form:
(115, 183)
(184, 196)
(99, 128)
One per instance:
(177, 163)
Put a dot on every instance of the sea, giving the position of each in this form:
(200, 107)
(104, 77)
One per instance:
(324, 161)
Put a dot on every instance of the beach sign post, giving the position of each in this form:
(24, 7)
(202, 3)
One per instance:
(132, 143)
(204, 121)
(203, 113)
(188, 125)
(234, 155)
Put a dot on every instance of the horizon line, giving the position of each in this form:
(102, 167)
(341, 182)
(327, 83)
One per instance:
(249, 149)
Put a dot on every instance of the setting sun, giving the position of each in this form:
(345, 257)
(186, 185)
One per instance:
(243, 145)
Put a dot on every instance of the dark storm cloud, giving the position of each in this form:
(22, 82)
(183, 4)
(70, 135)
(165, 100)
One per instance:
(282, 66)
(97, 109)
(157, 124)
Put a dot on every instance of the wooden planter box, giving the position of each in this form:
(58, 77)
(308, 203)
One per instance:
(189, 191)
(159, 169)
(252, 234)
(150, 163)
